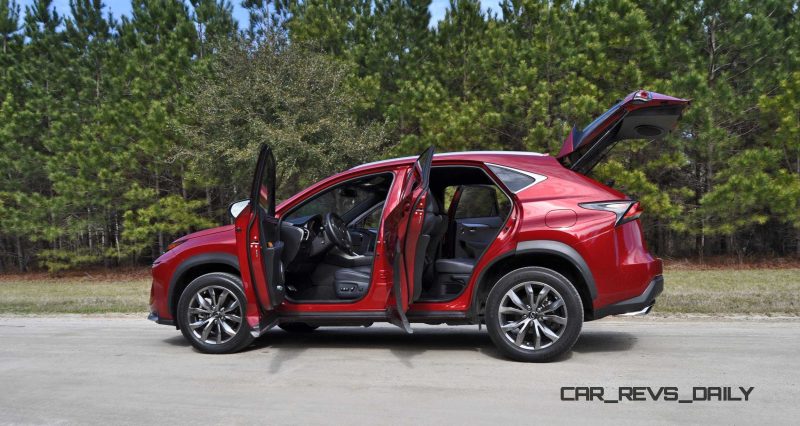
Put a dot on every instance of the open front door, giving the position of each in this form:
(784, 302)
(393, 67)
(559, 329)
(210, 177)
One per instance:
(403, 228)
(258, 237)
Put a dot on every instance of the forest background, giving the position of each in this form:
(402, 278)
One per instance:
(119, 134)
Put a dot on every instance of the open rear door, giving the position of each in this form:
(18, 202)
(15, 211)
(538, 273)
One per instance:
(641, 115)
(258, 240)
(403, 228)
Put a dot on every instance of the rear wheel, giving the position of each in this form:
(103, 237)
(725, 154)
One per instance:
(534, 314)
(297, 327)
(211, 314)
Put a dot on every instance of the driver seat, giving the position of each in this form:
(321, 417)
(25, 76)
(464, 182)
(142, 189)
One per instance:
(352, 283)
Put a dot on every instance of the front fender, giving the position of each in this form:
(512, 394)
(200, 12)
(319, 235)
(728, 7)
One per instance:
(213, 258)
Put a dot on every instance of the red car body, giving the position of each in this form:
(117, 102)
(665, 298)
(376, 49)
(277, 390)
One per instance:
(557, 222)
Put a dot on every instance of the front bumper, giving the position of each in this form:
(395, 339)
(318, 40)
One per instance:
(154, 317)
(640, 304)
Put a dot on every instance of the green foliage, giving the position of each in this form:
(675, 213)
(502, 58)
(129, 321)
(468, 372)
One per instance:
(275, 92)
(753, 191)
(171, 215)
(116, 136)
(88, 112)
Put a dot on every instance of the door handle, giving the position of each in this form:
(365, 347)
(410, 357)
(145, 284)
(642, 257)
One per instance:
(472, 227)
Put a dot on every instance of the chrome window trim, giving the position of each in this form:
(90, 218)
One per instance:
(537, 178)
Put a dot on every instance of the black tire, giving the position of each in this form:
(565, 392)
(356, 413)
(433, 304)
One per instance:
(215, 280)
(297, 327)
(572, 313)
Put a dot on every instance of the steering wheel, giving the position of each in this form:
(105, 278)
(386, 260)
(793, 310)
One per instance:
(336, 231)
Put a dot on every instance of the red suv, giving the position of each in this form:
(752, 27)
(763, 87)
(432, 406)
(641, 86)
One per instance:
(522, 242)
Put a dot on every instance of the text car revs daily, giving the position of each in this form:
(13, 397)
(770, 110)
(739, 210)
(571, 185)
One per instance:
(662, 393)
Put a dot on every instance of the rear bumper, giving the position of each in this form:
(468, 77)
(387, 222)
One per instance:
(640, 304)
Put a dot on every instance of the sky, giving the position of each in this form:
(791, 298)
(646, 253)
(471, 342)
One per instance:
(123, 7)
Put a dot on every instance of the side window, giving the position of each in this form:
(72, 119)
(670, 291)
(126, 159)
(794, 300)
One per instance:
(503, 203)
(480, 201)
(513, 179)
(449, 193)
(338, 200)
(343, 198)
(477, 201)
(373, 219)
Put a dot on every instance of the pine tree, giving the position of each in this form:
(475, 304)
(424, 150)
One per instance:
(159, 42)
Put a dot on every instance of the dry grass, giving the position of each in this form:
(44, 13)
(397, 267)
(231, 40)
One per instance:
(85, 293)
(731, 291)
(688, 289)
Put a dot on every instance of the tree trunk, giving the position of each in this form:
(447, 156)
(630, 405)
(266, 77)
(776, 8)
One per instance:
(158, 195)
(20, 259)
(797, 248)
(209, 207)
(89, 229)
(116, 236)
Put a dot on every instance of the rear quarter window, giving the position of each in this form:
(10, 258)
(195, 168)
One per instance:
(513, 180)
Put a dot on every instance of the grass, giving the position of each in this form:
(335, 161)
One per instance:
(731, 291)
(104, 293)
(716, 291)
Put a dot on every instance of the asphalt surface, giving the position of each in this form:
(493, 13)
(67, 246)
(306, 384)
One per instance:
(122, 370)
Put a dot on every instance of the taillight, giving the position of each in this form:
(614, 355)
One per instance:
(625, 211)
(642, 96)
(633, 213)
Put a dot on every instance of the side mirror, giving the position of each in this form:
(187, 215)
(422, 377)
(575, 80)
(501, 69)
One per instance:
(235, 208)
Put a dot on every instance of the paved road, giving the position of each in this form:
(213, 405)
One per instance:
(128, 370)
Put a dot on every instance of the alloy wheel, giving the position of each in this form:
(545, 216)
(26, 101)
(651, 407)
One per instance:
(532, 315)
(215, 315)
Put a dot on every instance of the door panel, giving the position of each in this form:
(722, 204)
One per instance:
(261, 241)
(473, 235)
(403, 228)
(476, 217)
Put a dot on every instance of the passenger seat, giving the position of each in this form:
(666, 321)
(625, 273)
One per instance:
(434, 226)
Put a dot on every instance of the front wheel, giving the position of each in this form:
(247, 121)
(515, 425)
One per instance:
(534, 314)
(211, 314)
